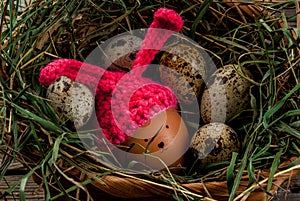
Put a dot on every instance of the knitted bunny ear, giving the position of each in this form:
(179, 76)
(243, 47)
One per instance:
(165, 22)
(71, 68)
(141, 98)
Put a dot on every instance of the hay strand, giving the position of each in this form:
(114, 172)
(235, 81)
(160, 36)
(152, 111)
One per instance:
(255, 35)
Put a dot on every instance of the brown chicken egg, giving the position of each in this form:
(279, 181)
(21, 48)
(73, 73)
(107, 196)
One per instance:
(212, 143)
(71, 100)
(226, 95)
(163, 138)
(185, 73)
(120, 52)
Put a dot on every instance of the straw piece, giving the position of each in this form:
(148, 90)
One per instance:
(126, 186)
(298, 15)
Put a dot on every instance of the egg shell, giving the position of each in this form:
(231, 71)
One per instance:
(214, 142)
(188, 71)
(164, 136)
(226, 95)
(71, 100)
(120, 52)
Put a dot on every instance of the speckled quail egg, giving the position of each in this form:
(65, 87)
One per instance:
(120, 52)
(185, 73)
(71, 100)
(213, 142)
(227, 94)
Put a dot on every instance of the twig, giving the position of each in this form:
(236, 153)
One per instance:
(1, 23)
(264, 181)
(298, 21)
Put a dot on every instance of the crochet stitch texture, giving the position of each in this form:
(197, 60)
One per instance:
(124, 101)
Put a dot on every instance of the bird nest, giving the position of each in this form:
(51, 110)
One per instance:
(254, 35)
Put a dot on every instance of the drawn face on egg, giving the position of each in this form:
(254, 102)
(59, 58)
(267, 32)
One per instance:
(164, 136)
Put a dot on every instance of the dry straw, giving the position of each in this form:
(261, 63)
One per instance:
(255, 35)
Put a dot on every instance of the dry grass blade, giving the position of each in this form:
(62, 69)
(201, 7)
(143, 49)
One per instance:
(255, 35)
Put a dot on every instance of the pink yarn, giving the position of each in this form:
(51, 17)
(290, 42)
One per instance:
(122, 103)
(163, 19)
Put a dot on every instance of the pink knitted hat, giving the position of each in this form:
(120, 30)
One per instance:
(124, 101)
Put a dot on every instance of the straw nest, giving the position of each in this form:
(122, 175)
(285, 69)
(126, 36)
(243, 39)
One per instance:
(254, 35)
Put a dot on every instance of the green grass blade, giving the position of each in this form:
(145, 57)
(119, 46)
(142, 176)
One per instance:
(230, 172)
(203, 9)
(239, 175)
(22, 188)
(279, 105)
(273, 169)
(283, 127)
(29, 115)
